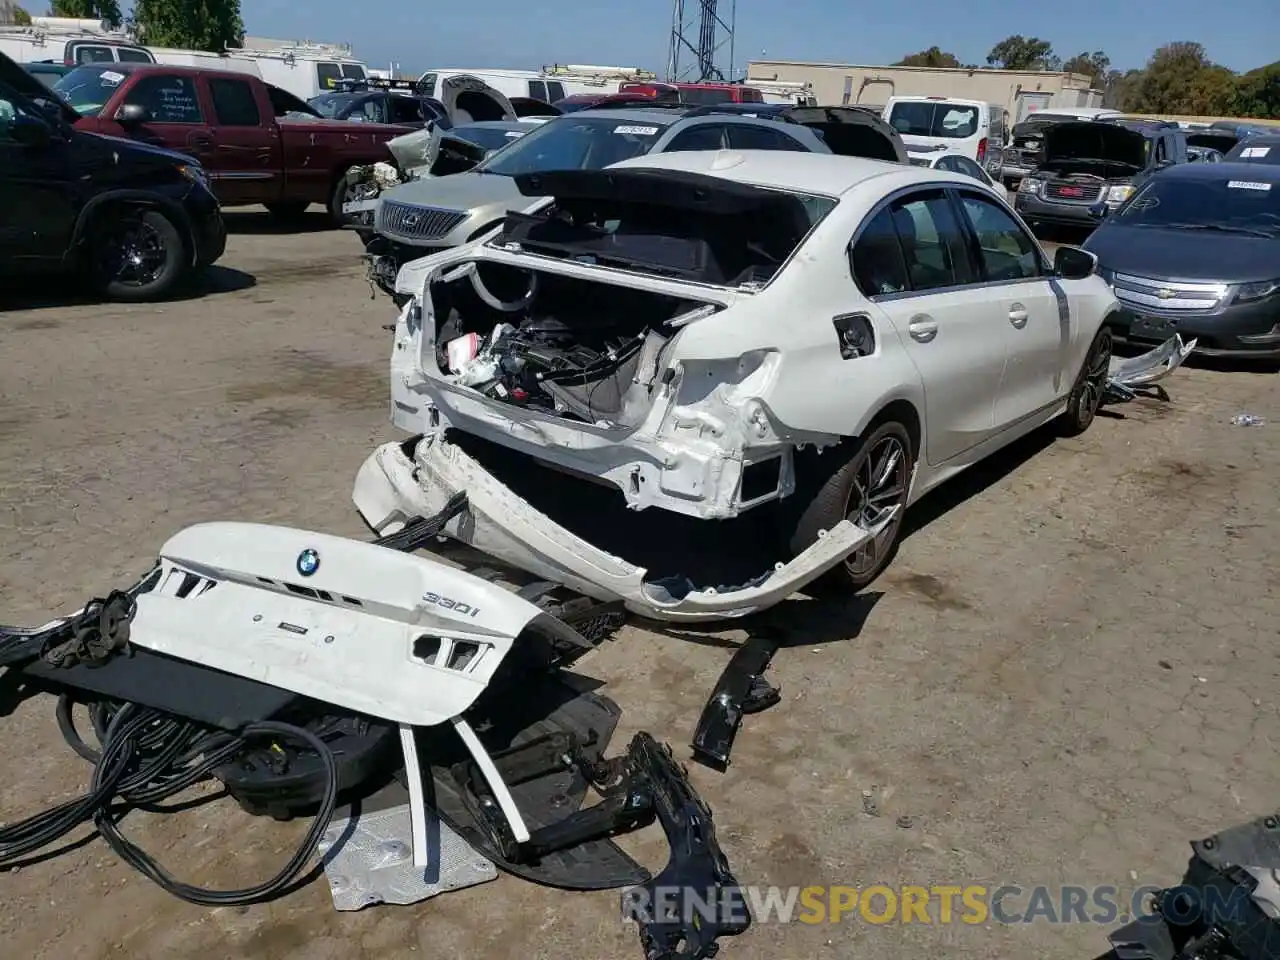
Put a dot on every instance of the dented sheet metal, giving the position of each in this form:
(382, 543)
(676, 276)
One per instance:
(391, 489)
(1127, 375)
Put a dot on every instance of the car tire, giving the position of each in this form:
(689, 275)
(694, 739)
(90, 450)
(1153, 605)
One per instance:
(827, 484)
(136, 254)
(287, 209)
(339, 196)
(1089, 388)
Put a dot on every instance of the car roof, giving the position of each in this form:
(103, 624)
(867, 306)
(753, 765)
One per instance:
(1227, 170)
(495, 125)
(1259, 140)
(639, 114)
(822, 173)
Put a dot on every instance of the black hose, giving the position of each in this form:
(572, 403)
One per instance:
(145, 757)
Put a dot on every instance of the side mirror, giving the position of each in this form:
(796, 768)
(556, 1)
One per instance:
(1074, 263)
(1099, 210)
(30, 131)
(131, 114)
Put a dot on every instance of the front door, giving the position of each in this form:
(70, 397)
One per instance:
(171, 115)
(1030, 309)
(913, 261)
(247, 162)
(37, 191)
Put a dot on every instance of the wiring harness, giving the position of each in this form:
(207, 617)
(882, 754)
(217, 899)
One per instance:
(145, 756)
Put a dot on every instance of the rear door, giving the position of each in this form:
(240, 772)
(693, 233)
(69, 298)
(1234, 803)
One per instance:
(913, 259)
(247, 163)
(1030, 315)
(37, 192)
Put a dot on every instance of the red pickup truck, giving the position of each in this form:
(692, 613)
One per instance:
(258, 143)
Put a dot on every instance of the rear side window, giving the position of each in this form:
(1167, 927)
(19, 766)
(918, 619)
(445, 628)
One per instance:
(537, 90)
(328, 75)
(555, 91)
(405, 110)
(878, 268)
(95, 55)
(705, 96)
(704, 136)
(134, 56)
(353, 71)
(931, 247)
(746, 136)
(234, 103)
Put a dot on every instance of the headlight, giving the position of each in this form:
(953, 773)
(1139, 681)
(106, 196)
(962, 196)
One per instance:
(194, 173)
(1256, 291)
(1029, 185)
(1119, 194)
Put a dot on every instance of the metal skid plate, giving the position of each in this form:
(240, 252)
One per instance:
(368, 855)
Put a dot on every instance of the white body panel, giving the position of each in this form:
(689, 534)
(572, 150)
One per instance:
(251, 612)
(982, 142)
(980, 365)
(201, 58)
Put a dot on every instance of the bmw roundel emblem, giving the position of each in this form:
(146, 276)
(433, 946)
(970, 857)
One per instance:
(308, 562)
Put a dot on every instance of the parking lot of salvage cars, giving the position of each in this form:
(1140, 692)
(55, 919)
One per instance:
(1067, 672)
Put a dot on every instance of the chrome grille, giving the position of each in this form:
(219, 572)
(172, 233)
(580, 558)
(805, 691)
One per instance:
(408, 221)
(1164, 295)
(1089, 192)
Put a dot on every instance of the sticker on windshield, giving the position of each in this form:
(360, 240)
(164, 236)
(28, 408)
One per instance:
(1255, 151)
(514, 133)
(638, 131)
(1248, 185)
(110, 77)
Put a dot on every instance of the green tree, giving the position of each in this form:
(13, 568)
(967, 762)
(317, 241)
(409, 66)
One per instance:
(192, 24)
(1181, 79)
(21, 17)
(1096, 66)
(1119, 89)
(1023, 53)
(108, 10)
(1257, 93)
(933, 57)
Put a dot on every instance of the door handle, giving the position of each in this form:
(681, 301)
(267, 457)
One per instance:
(1018, 315)
(922, 329)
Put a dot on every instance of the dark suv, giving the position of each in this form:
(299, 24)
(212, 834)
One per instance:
(133, 218)
(1093, 162)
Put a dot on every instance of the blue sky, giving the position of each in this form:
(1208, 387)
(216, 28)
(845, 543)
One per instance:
(418, 34)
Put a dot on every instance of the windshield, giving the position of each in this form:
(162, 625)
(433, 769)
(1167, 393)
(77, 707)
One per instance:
(929, 118)
(575, 143)
(87, 89)
(1241, 205)
(491, 138)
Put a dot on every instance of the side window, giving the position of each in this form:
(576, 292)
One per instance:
(405, 110)
(1161, 153)
(933, 244)
(328, 75)
(95, 55)
(134, 56)
(703, 136)
(374, 110)
(537, 90)
(555, 91)
(950, 164)
(746, 136)
(353, 71)
(1007, 252)
(876, 258)
(167, 99)
(233, 103)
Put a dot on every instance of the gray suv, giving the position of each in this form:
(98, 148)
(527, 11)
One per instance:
(420, 217)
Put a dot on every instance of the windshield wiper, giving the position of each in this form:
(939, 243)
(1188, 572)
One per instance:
(1224, 228)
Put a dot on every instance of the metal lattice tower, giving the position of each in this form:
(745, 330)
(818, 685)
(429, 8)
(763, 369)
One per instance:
(694, 47)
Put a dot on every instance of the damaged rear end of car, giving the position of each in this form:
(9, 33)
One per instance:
(607, 342)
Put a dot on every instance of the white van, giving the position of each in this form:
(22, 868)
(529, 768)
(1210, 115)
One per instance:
(978, 130)
(548, 84)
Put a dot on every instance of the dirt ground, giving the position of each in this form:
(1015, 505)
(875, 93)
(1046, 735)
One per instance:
(1063, 678)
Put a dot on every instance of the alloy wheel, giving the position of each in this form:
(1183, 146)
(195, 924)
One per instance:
(133, 253)
(879, 485)
(1094, 384)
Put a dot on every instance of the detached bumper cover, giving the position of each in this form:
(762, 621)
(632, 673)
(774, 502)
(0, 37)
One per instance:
(391, 489)
(1127, 375)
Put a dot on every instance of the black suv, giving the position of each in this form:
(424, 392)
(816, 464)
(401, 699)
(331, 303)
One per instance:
(134, 219)
(1090, 163)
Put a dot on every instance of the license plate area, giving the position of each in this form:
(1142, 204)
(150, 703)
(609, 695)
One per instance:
(1152, 328)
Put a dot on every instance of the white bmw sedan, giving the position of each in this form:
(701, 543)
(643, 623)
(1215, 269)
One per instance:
(818, 338)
